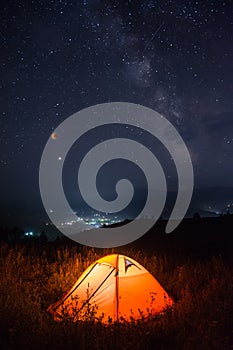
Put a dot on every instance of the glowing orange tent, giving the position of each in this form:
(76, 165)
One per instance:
(114, 288)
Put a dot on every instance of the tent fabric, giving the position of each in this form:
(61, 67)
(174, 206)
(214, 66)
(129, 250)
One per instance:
(114, 288)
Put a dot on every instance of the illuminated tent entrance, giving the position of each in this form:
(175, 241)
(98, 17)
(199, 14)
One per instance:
(114, 288)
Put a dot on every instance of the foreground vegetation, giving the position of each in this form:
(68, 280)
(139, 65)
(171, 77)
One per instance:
(34, 275)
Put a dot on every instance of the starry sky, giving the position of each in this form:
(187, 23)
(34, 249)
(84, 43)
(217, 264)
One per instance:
(58, 57)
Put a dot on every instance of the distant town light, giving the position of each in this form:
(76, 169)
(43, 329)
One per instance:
(29, 233)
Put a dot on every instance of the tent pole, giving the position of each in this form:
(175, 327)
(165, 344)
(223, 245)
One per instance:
(94, 292)
(72, 290)
(117, 287)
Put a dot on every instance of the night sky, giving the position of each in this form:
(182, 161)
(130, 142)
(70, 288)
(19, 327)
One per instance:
(58, 57)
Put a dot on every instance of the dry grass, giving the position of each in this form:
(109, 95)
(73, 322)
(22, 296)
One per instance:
(33, 277)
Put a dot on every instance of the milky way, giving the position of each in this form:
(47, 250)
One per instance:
(58, 57)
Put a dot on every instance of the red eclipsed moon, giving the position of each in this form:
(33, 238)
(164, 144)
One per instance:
(54, 136)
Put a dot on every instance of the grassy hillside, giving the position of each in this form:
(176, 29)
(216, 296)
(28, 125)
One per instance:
(33, 276)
